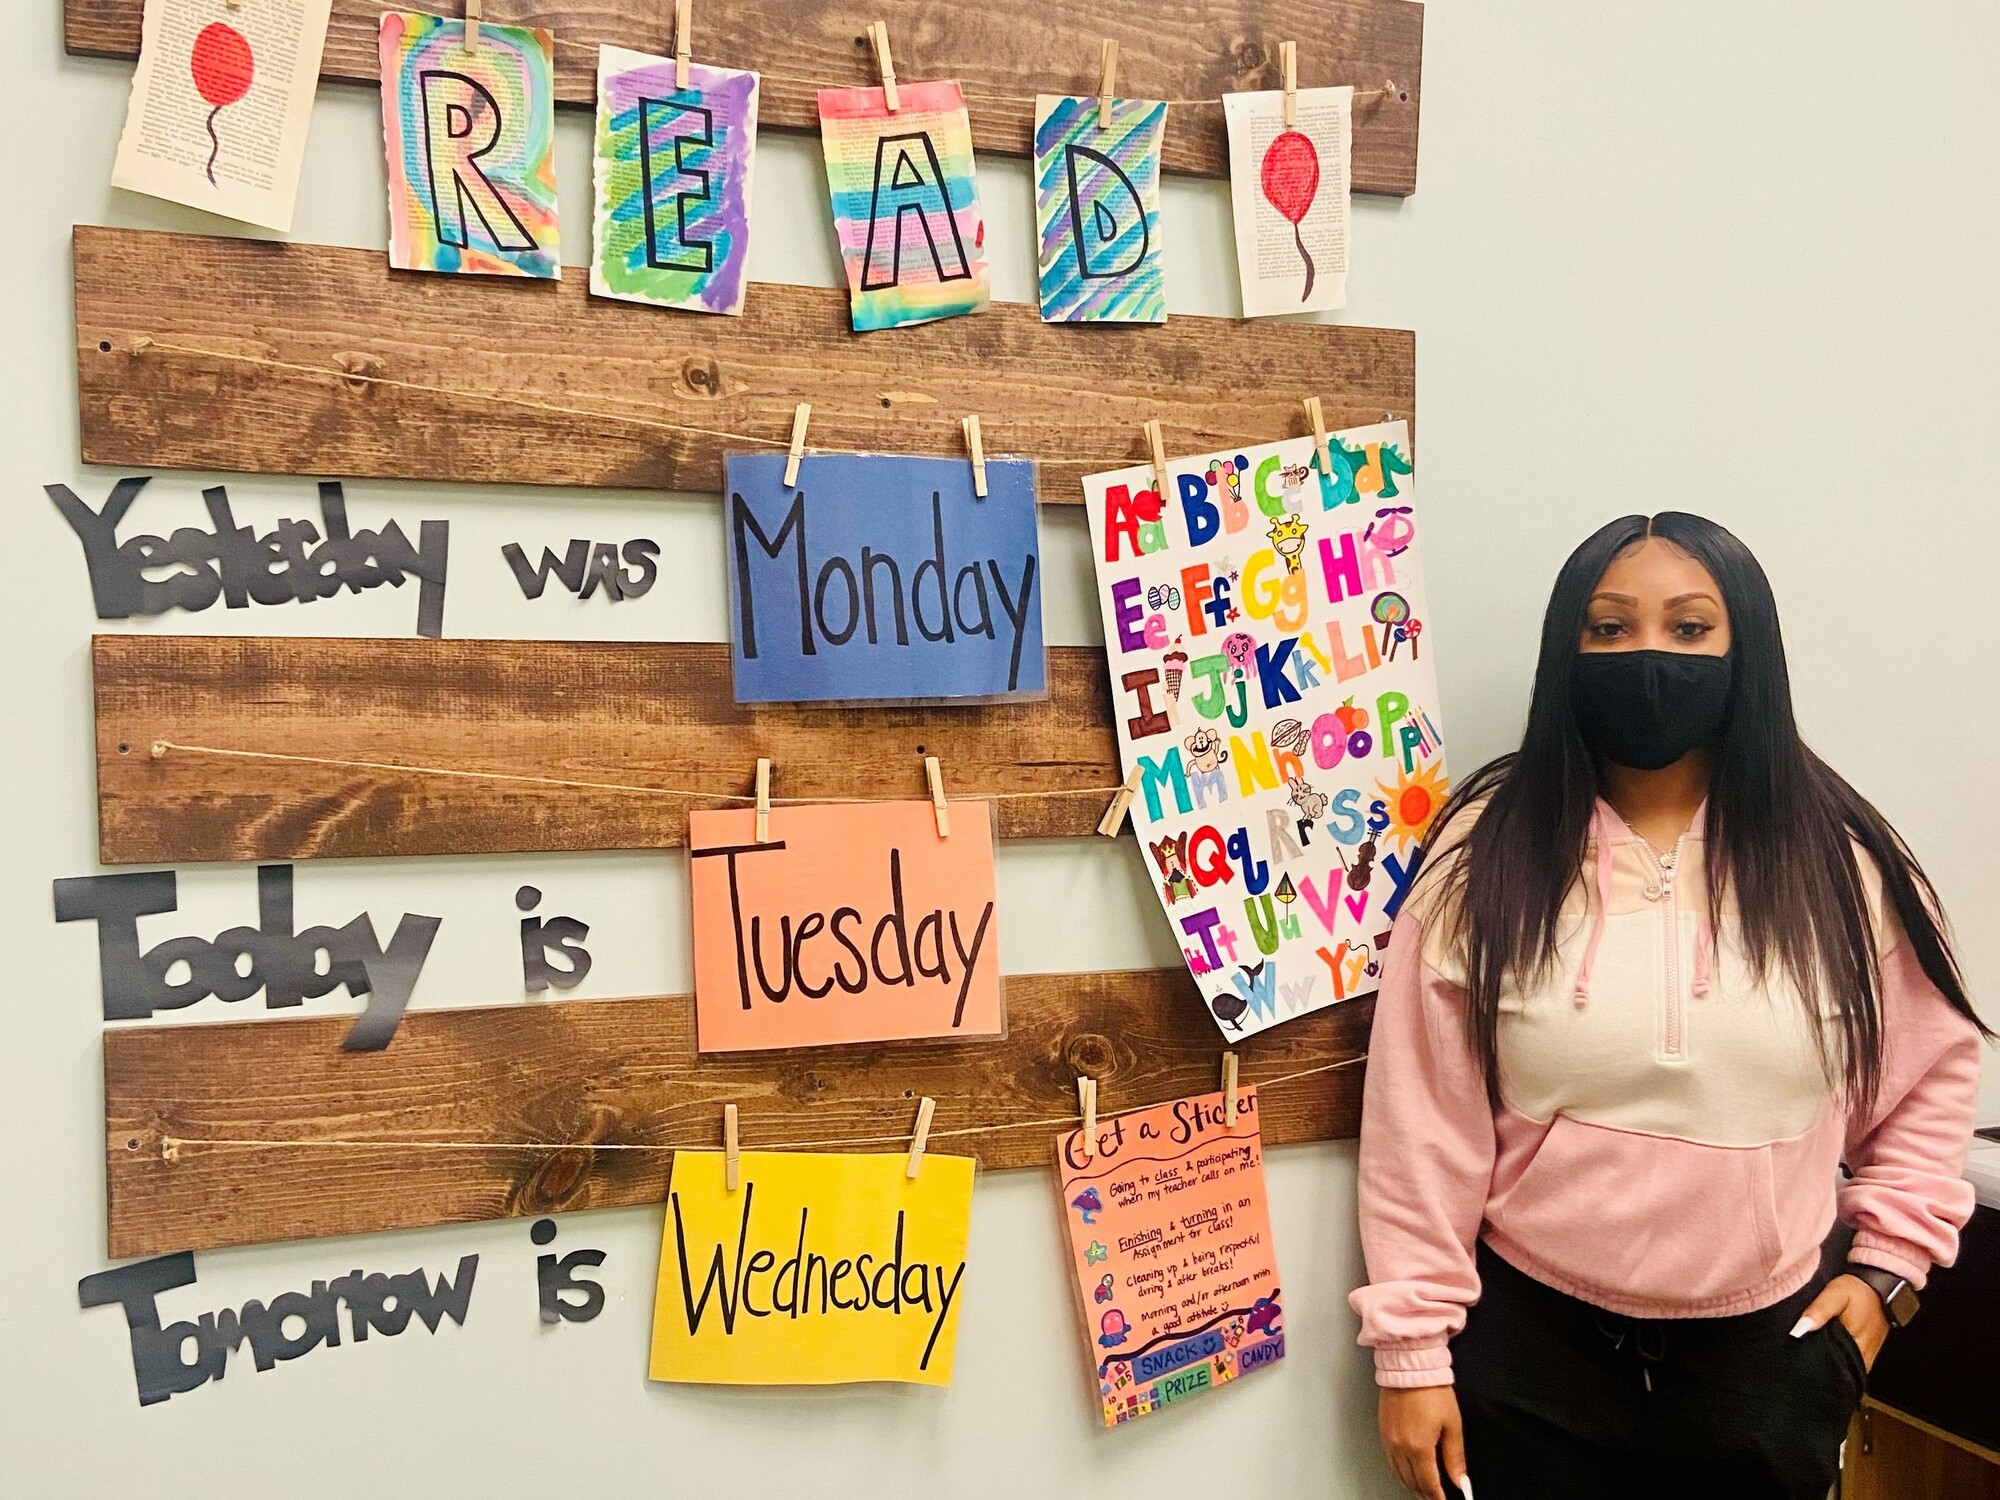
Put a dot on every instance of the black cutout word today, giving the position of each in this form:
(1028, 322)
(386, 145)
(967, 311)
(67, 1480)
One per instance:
(585, 565)
(539, 939)
(283, 964)
(375, 1303)
(291, 562)
(553, 1277)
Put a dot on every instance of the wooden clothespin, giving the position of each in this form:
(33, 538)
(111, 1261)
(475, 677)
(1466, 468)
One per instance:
(1107, 83)
(925, 1110)
(879, 32)
(1288, 65)
(1317, 416)
(971, 428)
(801, 414)
(1229, 1090)
(1159, 449)
(935, 777)
(472, 8)
(732, 1165)
(1114, 815)
(1086, 1098)
(763, 800)
(683, 40)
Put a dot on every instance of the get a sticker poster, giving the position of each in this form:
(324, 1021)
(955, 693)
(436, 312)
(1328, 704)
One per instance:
(1266, 628)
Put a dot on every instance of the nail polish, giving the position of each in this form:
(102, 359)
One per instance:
(1803, 1327)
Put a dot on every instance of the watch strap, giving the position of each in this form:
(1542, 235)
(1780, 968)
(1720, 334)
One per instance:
(1899, 1298)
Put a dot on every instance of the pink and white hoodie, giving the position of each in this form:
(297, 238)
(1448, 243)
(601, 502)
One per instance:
(1667, 1143)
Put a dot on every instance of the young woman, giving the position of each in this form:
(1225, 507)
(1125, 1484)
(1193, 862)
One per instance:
(1663, 973)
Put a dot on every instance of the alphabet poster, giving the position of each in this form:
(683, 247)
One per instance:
(1271, 678)
(1097, 210)
(673, 182)
(854, 922)
(819, 1269)
(472, 173)
(1170, 1239)
(905, 204)
(220, 106)
(1288, 187)
(881, 577)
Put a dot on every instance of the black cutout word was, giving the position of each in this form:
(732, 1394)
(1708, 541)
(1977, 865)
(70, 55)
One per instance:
(553, 1277)
(283, 964)
(539, 939)
(375, 1303)
(585, 565)
(291, 562)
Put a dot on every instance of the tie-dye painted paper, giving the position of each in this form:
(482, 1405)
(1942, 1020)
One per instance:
(472, 178)
(1273, 682)
(905, 203)
(673, 182)
(1097, 210)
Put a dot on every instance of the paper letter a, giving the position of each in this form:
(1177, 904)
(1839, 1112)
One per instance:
(914, 189)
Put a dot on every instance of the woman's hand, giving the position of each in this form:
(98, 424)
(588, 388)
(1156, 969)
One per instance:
(1854, 1302)
(1414, 1424)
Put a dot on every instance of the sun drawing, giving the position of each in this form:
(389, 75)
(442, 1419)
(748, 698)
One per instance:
(1412, 802)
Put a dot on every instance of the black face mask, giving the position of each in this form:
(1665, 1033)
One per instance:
(1646, 709)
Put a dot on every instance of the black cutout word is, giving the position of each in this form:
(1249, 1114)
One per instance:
(291, 562)
(375, 1302)
(585, 565)
(539, 939)
(554, 1277)
(284, 965)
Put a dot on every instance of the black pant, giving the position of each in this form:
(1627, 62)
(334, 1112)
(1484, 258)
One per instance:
(1564, 1401)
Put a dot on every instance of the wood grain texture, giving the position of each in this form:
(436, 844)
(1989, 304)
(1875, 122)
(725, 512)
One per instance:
(1004, 52)
(627, 713)
(580, 1072)
(486, 381)
(1893, 1456)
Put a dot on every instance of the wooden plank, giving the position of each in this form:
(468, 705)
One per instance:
(1004, 52)
(623, 713)
(1891, 1455)
(586, 1072)
(251, 356)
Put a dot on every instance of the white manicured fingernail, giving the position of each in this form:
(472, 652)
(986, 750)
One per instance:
(1803, 1327)
(1465, 1486)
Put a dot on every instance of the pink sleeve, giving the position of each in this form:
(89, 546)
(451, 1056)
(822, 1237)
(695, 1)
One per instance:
(1426, 1162)
(1908, 1197)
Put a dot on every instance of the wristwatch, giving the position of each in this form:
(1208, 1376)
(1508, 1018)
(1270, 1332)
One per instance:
(1899, 1298)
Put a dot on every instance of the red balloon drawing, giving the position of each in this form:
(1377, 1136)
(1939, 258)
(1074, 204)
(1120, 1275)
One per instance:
(1291, 183)
(222, 67)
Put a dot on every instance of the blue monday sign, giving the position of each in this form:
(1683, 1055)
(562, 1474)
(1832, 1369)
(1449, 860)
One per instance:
(882, 577)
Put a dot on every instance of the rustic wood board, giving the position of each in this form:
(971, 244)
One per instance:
(625, 713)
(247, 355)
(1190, 52)
(578, 1072)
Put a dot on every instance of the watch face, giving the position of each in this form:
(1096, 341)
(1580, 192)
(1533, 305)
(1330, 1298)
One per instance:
(1902, 1304)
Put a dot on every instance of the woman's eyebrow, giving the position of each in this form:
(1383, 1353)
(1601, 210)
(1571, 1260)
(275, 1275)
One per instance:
(1615, 598)
(1680, 599)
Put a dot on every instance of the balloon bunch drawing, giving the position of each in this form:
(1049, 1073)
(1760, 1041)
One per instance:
(222, 68)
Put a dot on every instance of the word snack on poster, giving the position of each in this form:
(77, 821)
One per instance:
(905, 203)
(852, 922)
(818, 1269)
(470, 136)
(673, 182)
(221, 101)
(1170, 1238)
(1270, 683)
(1097, 210)
(878, 577)
(1288, 188)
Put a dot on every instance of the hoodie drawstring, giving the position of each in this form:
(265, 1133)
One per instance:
(1704, 955)
(1603, 837)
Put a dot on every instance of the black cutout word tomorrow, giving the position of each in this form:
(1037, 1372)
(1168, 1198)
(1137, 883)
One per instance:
(553, 1277)
(291, 562)
(375, 1302)
(539, 939)
(586, 564)
(284, 965)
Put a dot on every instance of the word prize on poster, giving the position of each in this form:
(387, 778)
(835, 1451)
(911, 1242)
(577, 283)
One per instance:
(1170, 1239)
(1272, 686)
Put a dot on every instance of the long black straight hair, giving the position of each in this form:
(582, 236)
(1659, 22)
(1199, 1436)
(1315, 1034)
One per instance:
(1781, 828)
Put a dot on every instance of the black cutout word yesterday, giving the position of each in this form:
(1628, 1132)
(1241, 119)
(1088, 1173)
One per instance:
(290, 562)
(585, 565)
(553, 1277)
(283, 964)
(375, 1303)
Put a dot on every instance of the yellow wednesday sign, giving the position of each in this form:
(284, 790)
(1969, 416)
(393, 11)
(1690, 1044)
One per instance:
(819, 1269)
